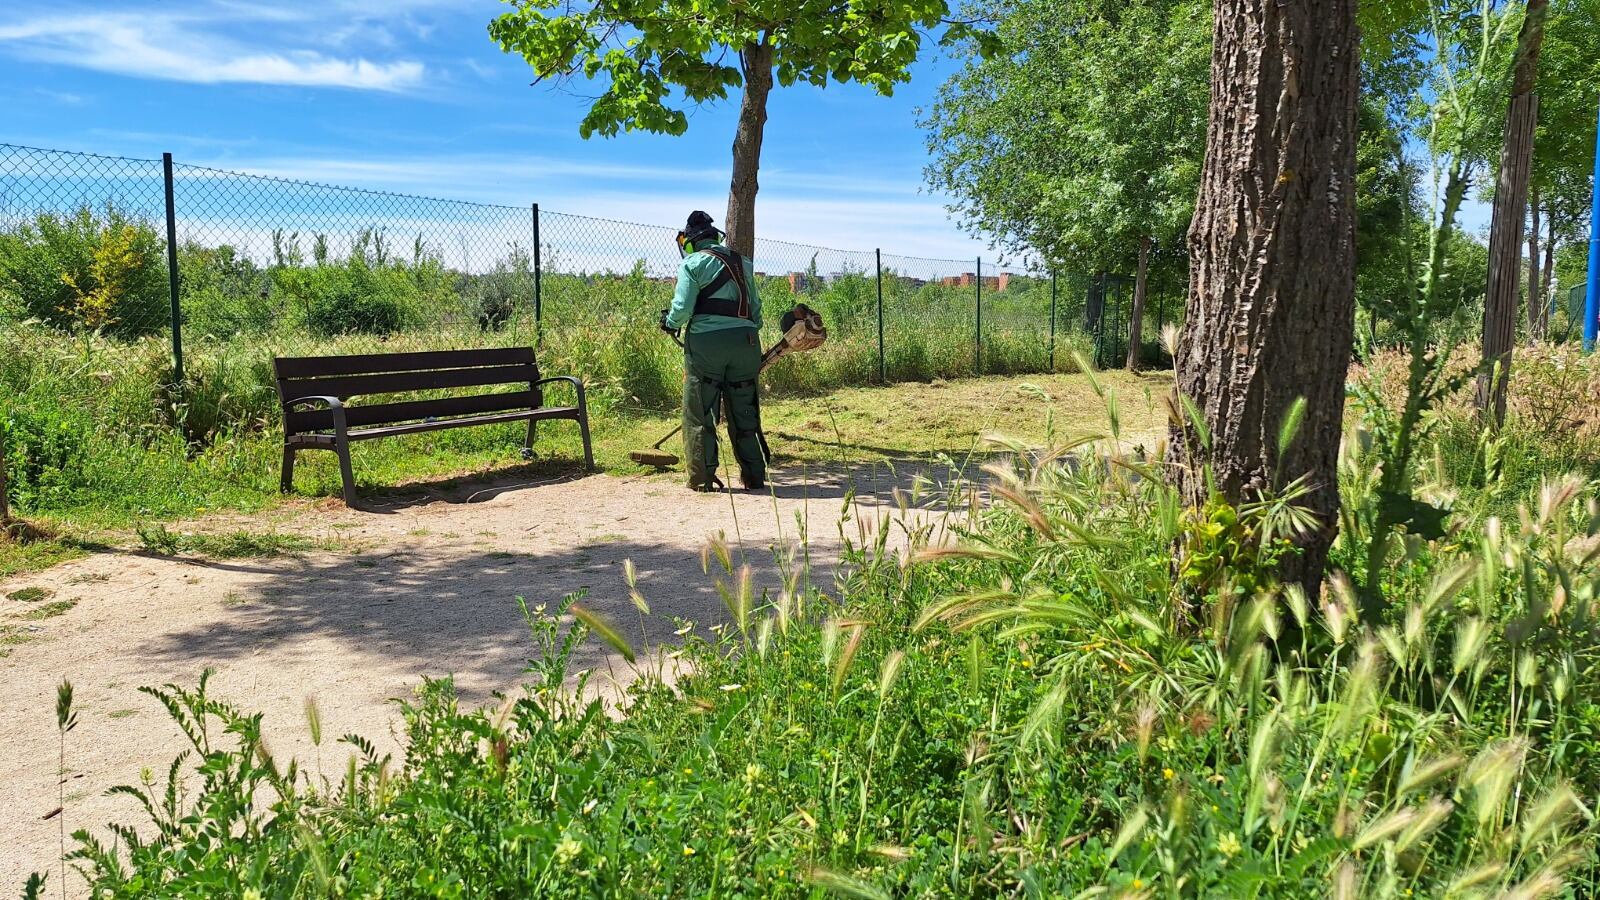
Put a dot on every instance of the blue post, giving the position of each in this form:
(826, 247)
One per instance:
(1591, 305)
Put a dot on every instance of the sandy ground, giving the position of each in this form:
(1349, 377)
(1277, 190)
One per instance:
(420, 587)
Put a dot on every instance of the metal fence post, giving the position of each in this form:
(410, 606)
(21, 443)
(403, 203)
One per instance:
(1052, 322)
(883, 369)
(172, 274)
(977, 356)
(538, 277)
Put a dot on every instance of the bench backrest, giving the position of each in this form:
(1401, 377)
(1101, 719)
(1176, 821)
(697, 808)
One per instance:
(400, 373)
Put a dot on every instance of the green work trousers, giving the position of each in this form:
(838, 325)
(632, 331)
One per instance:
(720, 369)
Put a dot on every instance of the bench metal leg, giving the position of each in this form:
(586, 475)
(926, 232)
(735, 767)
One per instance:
(342, 447)
(588, 451)
(527, 446)
(286, 484)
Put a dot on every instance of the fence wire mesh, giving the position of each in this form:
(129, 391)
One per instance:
(273, 266)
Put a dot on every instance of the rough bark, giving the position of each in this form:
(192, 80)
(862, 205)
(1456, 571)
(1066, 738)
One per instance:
(1136, 315)
(740, 222)
(1506, 222)
(1272, 260)
(1535, 301)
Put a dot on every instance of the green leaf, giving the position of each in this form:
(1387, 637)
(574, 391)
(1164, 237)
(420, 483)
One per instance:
(1416, 516)
(1315, 853)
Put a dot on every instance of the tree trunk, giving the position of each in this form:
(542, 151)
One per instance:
(1505, 225)
(1136, 315)
(740, 223)
(1272, 261)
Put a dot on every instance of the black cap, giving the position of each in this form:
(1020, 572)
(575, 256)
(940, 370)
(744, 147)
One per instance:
(700, 228)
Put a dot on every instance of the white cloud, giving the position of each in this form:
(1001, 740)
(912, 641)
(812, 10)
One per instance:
(171, 48)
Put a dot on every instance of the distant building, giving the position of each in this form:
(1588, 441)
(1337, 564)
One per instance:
(800, 282)
(991, 283)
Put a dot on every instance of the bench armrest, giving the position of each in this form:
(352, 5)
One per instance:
(575, 382)
(334, 405)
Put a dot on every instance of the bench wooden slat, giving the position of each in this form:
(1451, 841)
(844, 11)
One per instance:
(407, 410)
(550, 412)
(400, 382)
(373, 363)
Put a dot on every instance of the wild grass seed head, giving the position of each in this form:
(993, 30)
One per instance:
(1545, 817)
(1491, 774)
(890, 672)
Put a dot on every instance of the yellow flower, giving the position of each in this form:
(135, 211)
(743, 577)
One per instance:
(1167, 774)
(688, 850)
(1138, 884)
(1229, 845)
(688, 771)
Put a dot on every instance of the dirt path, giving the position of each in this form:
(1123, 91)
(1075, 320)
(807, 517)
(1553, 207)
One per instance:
(421, 588)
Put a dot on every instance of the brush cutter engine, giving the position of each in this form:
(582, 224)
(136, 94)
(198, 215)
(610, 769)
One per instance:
(802, 331)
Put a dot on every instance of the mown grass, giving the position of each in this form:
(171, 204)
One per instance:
(237, 544)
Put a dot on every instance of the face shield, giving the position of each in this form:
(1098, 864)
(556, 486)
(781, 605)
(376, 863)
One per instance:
(685, 246)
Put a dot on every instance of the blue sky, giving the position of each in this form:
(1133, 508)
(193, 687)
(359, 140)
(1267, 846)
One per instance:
(411, 96)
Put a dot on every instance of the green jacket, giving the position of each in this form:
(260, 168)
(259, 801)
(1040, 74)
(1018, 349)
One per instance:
(697, 271)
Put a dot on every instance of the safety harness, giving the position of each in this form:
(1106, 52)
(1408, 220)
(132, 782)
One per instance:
(732, 270)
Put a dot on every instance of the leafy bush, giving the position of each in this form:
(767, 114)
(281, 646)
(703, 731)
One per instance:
(351, 297)
(223, 292)
(88, 271)
(45, 449)
(492, 299)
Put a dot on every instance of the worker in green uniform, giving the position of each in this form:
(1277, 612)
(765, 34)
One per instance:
(716, 302)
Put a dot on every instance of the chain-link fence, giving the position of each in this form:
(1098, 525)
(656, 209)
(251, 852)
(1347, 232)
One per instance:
(157, 272)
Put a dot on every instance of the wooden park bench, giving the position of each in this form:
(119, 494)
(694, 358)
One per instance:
(317, 413)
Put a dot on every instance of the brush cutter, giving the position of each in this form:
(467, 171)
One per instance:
(802, 331)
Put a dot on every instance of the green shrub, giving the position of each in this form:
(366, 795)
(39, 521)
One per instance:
(351, 297)
(46, 448)
(88, 271)
(223, 292)
(494, 298)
